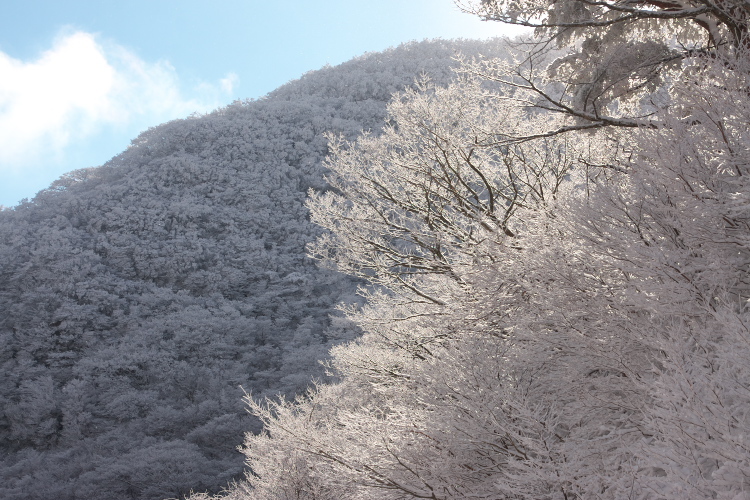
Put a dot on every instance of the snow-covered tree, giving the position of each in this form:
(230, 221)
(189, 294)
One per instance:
(591, 342)
(615, 60)
(435, 185)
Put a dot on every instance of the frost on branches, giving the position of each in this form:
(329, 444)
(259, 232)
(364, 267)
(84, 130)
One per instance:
(559, 284)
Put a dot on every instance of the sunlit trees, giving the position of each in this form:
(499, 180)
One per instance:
(696, 176)
(559, 276)
(417, 201)
(715, 23)
(473, 368)
(614, 56)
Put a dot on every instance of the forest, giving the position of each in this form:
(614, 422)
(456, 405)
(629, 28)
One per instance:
(557, 250)
(523, 264)
(141, 298)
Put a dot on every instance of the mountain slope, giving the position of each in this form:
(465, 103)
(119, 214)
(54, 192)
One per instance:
(140, 296)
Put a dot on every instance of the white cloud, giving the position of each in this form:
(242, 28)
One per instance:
(229, 83)
(81, 85)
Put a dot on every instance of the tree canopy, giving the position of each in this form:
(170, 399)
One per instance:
(558, 253)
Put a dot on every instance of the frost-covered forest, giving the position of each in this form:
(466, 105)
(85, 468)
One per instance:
(141, 297)
(558, 247)
(550, 244)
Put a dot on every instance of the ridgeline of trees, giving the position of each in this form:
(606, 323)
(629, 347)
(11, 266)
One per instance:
(139, 298)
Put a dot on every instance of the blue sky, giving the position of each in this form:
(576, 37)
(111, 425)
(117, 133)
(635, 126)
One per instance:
(80, 79)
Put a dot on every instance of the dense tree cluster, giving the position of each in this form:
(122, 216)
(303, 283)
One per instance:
(139, 298)
(558, 249)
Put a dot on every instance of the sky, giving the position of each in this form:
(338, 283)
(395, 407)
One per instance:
(80, 79)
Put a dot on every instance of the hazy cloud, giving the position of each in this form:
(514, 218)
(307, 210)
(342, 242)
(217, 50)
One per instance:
(229, 83)
(82, 84)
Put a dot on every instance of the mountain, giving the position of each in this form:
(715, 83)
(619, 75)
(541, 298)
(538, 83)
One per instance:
(140, 298)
